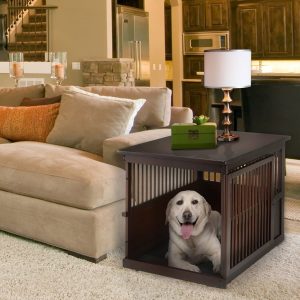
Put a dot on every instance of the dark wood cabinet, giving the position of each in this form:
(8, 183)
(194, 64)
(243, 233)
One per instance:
(249, 28)
(193, 14)
(196, 97)
(265, 27)
(216, 14)
(168, 32)
(278, 28)
(296, 25)
(192, 65)
(132, 3)
(199, 15)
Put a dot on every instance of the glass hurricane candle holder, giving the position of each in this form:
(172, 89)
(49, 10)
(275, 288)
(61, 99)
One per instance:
(58, 66)
(16, 66)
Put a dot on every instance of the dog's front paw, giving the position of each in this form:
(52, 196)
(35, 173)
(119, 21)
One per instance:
(193, 268)
(216, 268)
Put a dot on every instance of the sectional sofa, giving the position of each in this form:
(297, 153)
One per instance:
(69, 191)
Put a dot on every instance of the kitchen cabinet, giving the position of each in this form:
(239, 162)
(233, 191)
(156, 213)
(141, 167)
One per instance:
(278, 28)
(193, 64)
(168, 32)
(249, 28)
(196, 97)
(265, 27)
(216, 14)
(193, 15)
(132, 3)
(201, 15)
(296, 25)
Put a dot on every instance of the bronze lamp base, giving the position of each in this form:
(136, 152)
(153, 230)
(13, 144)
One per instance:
(227, 136)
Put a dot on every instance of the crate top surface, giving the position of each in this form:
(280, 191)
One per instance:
(248, 147)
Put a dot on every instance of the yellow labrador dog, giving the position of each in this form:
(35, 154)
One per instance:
(194, 230)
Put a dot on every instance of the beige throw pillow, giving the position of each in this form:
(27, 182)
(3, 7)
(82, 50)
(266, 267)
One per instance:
(14, 96)
(52, 90)
(85, 120)
(156, 112)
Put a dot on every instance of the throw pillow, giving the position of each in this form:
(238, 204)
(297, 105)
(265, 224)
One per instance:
(14, 96)
(40, 101)
(52, 90)
(156, 112)
(85, 120)
(27, 123)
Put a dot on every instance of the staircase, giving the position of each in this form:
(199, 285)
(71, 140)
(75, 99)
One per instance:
(32, 41)
(29, 30)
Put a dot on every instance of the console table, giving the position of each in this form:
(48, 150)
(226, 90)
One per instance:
(243, 180)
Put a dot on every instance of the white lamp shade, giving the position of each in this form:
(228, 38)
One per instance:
(227, 68)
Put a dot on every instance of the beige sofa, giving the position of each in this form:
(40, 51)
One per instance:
(70, 198)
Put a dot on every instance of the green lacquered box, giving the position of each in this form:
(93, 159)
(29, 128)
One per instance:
(192, 136)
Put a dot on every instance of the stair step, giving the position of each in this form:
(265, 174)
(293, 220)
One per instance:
(27, 46)
(33, 27)
(34, 56)
(40, 11)
(37, 18)
(31, 36)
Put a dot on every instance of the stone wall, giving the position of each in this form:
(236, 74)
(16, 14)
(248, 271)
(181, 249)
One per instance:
(114, 71)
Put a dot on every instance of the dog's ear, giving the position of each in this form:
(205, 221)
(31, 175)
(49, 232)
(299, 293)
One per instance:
(168, 211)
(207, 207)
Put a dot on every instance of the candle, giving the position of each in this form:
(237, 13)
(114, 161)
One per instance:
(17, 69)
(59, 70)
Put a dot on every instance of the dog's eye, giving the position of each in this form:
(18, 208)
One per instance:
(195, 201)
(179, 202)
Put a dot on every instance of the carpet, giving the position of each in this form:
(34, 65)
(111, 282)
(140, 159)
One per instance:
(292, 179)
(31, 271)
(292, 209)
(292, 190)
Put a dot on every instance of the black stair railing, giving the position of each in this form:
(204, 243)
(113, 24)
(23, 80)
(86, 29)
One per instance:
(29, 29)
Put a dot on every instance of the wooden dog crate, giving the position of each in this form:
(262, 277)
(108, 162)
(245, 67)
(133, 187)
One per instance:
(243, 180)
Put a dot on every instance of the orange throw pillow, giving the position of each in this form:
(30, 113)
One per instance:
(27, 123)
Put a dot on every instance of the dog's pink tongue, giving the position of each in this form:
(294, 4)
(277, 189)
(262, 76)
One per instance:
(186, 231)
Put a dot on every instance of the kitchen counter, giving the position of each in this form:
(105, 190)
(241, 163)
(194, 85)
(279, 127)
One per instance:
(273, 74)
(272, 106)
(272, 77)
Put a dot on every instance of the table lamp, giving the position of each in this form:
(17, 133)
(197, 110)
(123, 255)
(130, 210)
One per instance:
(227, 69)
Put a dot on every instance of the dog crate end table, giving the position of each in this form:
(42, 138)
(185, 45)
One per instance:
(243, 180)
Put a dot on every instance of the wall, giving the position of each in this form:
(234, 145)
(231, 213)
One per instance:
(83, 29)
(176, 6)
(157, 41)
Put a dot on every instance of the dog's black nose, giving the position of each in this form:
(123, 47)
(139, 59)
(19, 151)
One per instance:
(187, 215)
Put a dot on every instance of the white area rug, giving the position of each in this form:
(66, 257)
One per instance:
(30, 271)
(292, 179)
(292, 190)
(292, 209)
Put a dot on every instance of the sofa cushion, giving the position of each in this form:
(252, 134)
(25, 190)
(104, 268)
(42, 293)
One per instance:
(4, 141)
(14, 96)
(85, 120)
(40, 101)
(52, 90)
(112, 145)
(156, 112)
(27, 123)
(59, 174)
